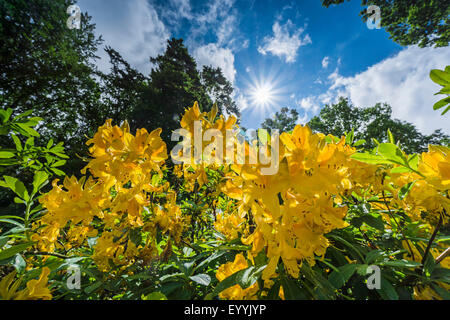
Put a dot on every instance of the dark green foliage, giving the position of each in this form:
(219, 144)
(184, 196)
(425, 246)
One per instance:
(175, 85)
(219, 89)
(48, 67)
(421, 22)
(373, 123)
(284, 121)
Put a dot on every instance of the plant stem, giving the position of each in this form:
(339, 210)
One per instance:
(39, 253)
(430, 242)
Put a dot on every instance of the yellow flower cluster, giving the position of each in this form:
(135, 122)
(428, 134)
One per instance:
(293, 209)
(236, 292)
(230, 224)
(199, 158)
(113, 203)
(428, 197)
(35, 289)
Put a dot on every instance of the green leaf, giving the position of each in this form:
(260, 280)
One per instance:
(374, 255)
(19, 263)
(26, 130)
(5, 114)
(58, 172)
(247, 277)
(368, 158)
(154, 296)
(17, 142)
(403, 192)
(225, 284)
(346, 243)
(413, 161)
(23, 115)
(202, 279)
(400, 263)
(441, 274)
(440, 77)
(186, 267)
(14, 222)
(373, 222)
(17, 187)
(3, 241)
(387, 291)
(446, 110)
(350, 137)
(93, 287)
(59, 163)
(291, 290)
(5, 254)
(136, 236)
(359, 142)
(40, 178)
(390, 136)
(6, 154)
(445, 90)
(392, 153)
(444, 293)
(400, 170)
(50, 144)
(441, 103)
(338, 279)
(210, 259)
(11, 217)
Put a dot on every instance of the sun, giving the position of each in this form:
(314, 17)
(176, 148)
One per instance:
(262, 94)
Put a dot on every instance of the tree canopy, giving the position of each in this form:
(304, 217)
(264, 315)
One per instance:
(372, 123)
(421, 22)
(284, 120)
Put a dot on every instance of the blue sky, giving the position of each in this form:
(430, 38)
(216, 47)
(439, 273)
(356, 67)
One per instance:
(281, 53)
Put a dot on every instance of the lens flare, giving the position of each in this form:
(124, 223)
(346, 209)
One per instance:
(262, 95)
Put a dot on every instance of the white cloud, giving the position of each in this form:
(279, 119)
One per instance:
(173, 11)
(325, 62)
(212, 54)
(217, 18)
(302, 119)
(308, 104)
(242, 102)
(183, 8)
(226, 29)
(133, 28)
(403, 82)
(285, 42)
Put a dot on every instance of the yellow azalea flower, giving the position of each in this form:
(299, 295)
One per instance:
(435, 165)
(35, 289)
(230, 225)
(236, 292)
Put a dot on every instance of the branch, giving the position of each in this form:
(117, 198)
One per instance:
(433, 236)
(40, 253)
(443, 255)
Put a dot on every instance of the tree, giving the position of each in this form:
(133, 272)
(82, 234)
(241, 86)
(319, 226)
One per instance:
(121, 91)
(174, 85)
(284, 121)
(373, 123)
(48, 67)
(421, 22)
(219, 89)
